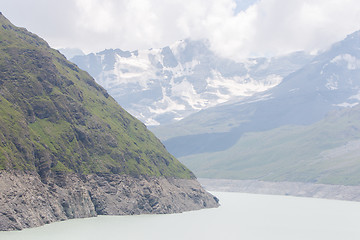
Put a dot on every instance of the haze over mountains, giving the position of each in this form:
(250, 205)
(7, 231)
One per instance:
(250, 127)
(328, 82)
(161, 86)
(301, 130)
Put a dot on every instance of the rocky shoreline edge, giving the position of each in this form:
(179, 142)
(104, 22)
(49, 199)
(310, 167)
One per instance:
(27, 202)
(298, 189)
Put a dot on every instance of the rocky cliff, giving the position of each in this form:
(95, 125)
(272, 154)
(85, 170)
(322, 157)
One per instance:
(68, 150)
(28, 202)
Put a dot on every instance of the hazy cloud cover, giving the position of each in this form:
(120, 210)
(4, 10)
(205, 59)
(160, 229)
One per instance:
(235, 28)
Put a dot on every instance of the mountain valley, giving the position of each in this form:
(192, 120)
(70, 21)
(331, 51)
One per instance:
(292, 132)
(247, 126)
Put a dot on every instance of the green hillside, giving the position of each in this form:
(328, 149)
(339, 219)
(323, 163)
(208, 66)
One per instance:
(54, 117)
(325, 152)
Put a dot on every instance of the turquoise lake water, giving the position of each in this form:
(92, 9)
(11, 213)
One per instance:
(241, 217)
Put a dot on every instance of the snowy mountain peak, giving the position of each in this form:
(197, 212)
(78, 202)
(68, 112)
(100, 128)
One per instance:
(165, 85)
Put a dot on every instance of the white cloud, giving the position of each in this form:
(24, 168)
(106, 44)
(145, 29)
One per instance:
(273, 27)
(284, 26)
(268, 27)
(95, 15)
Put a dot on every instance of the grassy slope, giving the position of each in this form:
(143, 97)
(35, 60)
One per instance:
(315, 153)
(54, 117)
(212, 120)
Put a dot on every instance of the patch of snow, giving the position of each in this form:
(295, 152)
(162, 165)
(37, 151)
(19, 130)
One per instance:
(102, 57)
(347, 105)
(352, 62)
(259, 99)
(177, 47)
(140, 62)
(186, 91)
(166, 104)
(357, 96)
(178, 119)
(322, 70)
(241, 85)
(151, 122)
(138, 70)
(294, 90)
(332, 83)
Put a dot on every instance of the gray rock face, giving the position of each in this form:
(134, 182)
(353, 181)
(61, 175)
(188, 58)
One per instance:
(27, 202)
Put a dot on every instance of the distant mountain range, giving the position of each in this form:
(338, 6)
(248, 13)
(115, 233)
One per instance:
(71, 52)
(289, 118)
(161, 86)
(304, 129)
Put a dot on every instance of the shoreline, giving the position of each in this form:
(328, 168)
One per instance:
(26, 201)
(297, 189)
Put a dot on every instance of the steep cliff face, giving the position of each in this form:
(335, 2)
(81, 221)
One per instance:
(26, 201)
(61, 133)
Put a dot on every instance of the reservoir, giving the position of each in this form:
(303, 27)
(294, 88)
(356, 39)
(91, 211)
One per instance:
(240, 216)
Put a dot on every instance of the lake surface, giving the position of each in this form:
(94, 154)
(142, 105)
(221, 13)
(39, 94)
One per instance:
(241, 216)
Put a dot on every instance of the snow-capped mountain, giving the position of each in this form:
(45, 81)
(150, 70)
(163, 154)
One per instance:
(165, 85)
(304, 129)
(330, 82)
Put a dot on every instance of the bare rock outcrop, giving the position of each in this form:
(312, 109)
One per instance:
(26, 201)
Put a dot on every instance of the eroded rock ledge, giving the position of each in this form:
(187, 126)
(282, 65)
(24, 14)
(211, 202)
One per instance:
(28, 202)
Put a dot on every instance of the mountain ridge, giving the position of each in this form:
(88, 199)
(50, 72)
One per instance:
(57, 98)
(300, 107)
(68, 150)
(161, 86)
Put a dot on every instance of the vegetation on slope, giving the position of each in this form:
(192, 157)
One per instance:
(54, 117)
(325, 152)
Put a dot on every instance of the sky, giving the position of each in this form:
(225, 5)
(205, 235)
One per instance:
(235, 28)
